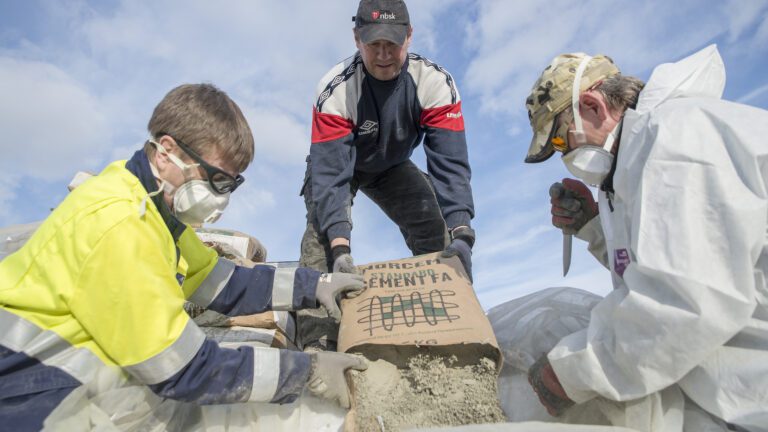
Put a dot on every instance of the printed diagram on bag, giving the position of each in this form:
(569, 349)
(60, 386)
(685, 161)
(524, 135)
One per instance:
(388, 312)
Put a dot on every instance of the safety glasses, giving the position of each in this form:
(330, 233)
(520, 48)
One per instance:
(221, 181)
(559, 135)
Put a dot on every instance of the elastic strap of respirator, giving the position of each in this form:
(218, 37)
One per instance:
(578, 134)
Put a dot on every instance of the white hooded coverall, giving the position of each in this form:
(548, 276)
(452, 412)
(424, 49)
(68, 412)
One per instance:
(684, 234)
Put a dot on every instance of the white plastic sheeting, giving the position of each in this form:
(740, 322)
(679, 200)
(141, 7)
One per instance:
(527, 328)
(530, 326)
(12, 238)
(113, 404)
(530, 427)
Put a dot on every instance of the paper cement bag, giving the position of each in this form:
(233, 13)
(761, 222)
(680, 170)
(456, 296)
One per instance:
(412, 303)
(272, 328)
(233, 244)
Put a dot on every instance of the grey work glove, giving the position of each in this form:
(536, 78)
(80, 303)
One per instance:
(572, 205)
(327, 378)
(342, 260)
(331, 286)
(461, 246)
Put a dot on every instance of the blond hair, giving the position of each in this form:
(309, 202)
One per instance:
(204, 118)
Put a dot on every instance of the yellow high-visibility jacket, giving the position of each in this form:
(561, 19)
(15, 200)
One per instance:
(98, 286)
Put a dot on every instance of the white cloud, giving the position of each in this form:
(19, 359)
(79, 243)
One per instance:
(134, 28)
(8, 185)
(742, 15)
(760, 41)
(233, 41)
(753, 95)
(121, 152)
(509, 244)
(250, 201)
(514, 42)
(595, 280)
(51, 123)
(279, 137)
(426, 20)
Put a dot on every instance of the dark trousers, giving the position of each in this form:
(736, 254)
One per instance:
(406, 196)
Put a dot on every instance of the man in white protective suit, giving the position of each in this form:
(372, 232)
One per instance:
(681, 224)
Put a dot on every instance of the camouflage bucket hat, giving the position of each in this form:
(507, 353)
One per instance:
(552, 93)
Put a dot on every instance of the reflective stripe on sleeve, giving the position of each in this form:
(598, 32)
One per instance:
(295, 368)
(282, 289)
(214, 283)
(172, 359)
(266, 374)
(21, 335)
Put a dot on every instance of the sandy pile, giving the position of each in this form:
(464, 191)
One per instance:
(431, 390)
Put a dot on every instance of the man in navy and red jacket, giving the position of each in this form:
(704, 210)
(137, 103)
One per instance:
(371, 112)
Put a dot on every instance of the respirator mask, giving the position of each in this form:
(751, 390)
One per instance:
(195, 201)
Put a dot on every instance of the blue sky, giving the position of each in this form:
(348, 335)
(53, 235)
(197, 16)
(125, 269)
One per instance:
(79, 81)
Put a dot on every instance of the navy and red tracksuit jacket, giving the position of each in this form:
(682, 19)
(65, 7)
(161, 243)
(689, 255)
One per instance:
(351, 132)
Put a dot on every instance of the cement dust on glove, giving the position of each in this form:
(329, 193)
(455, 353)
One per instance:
(327, 378)
(331, 286)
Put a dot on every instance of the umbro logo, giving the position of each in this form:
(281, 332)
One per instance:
(368, 127)
(453, 115)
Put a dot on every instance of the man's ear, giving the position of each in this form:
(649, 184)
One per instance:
(161, 158)
(592, 104)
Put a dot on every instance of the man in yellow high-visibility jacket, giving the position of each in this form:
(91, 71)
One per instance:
(100, 285)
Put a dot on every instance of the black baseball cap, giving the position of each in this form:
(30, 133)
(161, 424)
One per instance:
(382, 19)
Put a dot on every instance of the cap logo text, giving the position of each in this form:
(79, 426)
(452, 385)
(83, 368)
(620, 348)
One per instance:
(375, 15)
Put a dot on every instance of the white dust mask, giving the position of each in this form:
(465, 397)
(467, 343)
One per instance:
(194, 202)
(590, 163)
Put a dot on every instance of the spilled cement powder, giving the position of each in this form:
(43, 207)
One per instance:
(429, 390)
